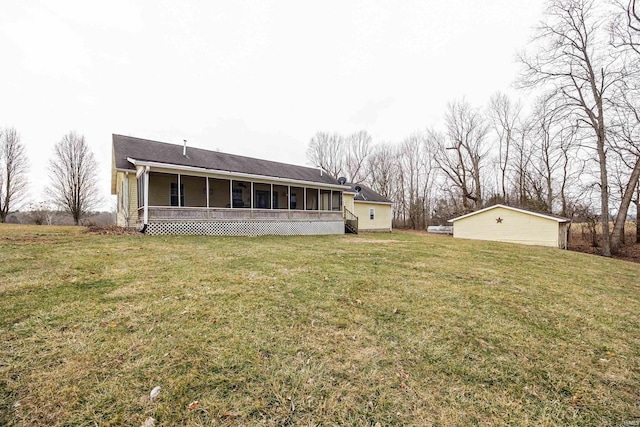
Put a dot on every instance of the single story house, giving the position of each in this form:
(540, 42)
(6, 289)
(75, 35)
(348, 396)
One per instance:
(373, 211)
(173, 189)
(508, 224)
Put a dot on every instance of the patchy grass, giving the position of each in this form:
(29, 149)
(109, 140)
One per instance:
(399, 329)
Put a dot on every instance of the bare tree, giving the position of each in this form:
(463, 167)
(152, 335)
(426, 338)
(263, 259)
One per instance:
(73, 174)
(415, 172)
(626, 26)
(358, 148)
(326, 150)
(383, 170)
(574, 63)
(504, 116)
(461, 152)
(625, 135)
(555, 153)
(626, 132)
(14, 167)
(522, 158)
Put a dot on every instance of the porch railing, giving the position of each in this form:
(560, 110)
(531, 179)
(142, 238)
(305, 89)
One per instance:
(350, 222)
(164, 213)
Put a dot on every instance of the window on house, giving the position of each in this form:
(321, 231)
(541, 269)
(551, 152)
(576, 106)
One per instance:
(174, 194)
(372, 213)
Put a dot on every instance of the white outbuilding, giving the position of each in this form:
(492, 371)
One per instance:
(502, 223)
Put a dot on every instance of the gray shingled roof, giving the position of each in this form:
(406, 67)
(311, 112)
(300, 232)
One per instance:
(153, 151)
(367, 195)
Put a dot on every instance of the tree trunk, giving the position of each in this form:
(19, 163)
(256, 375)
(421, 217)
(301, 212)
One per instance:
(604, 197)
(618, 228)
(638, 213)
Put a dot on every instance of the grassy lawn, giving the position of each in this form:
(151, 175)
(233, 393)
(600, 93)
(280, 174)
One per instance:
(396, 329)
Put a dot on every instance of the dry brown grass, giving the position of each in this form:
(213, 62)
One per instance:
(581, 240)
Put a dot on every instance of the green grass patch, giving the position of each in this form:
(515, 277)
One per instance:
(394, 329)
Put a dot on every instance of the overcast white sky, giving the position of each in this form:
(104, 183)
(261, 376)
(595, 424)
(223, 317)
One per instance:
(256, 78)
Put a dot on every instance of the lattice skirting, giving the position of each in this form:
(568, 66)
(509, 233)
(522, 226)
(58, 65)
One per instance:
(246, 228)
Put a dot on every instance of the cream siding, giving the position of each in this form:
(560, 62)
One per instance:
(382, 216)
(127, 199)
(515, 227)
(348, 202)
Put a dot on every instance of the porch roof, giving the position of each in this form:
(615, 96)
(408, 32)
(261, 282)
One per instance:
(128, 147)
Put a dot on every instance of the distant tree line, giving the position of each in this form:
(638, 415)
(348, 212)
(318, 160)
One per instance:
(72, 188)
(575, 152)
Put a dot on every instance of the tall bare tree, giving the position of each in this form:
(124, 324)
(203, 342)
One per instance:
(14, 167)
(326, 150)
(625, 135)
(555, 153)
(460, 153)
(383, 169)
(626, 132)
(415, 175)
(574, 63)
(73, 174)
(504, 116)
(358, 148)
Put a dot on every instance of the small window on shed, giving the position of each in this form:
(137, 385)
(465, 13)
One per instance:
(372, 213)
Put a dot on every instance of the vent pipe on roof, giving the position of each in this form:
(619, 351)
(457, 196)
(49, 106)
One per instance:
(184, 149)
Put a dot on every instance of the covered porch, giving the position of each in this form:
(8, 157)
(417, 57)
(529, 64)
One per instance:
(171, 202)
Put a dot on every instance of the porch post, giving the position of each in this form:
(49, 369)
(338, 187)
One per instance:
(271, 196)
(207, 190)
(231, 193)
(146, 195)
(125, 196)
(331, 200)
(251, 195)
(288, 197)
(179, 205)
(304, 193)
(318, 200)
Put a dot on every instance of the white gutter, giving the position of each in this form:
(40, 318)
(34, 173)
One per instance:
(235, 174)
(372, 202)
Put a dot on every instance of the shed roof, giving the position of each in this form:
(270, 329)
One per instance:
(125, 147)
(366, 194)
(524, 211)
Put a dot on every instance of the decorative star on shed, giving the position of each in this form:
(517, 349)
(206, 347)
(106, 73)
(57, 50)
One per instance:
(499, 220)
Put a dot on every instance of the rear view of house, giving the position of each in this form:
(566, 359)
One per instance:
(507, 224)
(174, 189)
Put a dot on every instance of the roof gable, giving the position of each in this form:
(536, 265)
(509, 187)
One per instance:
(128, 147)
(524, 211)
